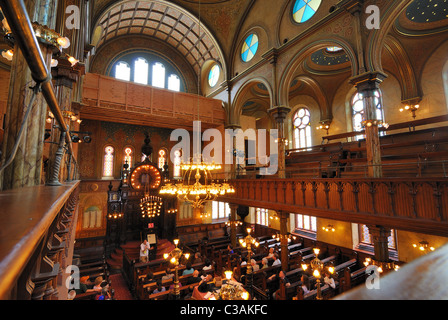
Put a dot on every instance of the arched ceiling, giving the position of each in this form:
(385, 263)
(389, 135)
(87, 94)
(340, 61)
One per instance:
(163, 20)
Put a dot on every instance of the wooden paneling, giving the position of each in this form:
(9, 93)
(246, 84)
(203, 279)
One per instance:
(108, 99)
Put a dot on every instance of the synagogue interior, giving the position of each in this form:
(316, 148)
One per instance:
(223, 150)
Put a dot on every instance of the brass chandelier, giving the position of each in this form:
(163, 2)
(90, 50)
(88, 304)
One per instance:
(150, 206)
(197, 186)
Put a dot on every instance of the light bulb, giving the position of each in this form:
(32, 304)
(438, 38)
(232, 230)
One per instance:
(64, 42)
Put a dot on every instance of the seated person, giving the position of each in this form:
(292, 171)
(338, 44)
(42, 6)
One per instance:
(105, 294)
(270, 254)
(197, 258)
(276, 260)
(207, 265)
(282, 277)
(328, 279)
(264, 263)
(306, 284)
(97, 285)
(255, 266)
(188, 269)
(85, 286)
(159, 288)
(205, 285)
(169, 274)
(230, 249)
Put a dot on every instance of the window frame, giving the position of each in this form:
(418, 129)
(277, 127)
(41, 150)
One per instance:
(112, 161)
(306, 130)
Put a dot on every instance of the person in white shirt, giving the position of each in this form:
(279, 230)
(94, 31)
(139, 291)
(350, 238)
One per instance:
(144, 251)
(255, 266)
(276, 260)
(329, 280)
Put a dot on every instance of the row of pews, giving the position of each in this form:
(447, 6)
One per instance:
(405, 154)
(349, 269)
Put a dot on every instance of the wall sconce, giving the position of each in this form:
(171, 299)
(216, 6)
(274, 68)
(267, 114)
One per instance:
(423, 246)
(115, 215)
(381, 266)
(172, 211)
(234, 223)
(8, 54)
(76, 138)
(204, 215)
(279, 237)
(283, 140)
(329, 228)
(324, 125)
(412, 108)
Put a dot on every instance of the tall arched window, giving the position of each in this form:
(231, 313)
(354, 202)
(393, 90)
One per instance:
(173, 83)
(141, 71)
(158, 75)
(365, 237)
(261, 216)
(108, 162)
(128, 156)
(123, 71)
(162, 158)
(358, 115)
(302, 128)
(176, 162)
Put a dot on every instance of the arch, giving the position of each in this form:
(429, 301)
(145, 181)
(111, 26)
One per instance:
(375, 41)
(324, 106)
(238, 101)
(290, 69)
(108, 161)
(410, 88)
(118, 19)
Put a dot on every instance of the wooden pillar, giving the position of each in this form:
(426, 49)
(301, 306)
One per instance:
(367, 84)
(279, 114)
(284, 258)
(380, 240)
(233, 208)
(26, 168)
(232, 151)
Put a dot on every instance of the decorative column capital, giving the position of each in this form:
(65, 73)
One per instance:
(65, 75)
(368, 81)
(279, 113)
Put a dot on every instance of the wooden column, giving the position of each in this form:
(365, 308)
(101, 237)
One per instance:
(26, 168)
(284, 258)
(380, 240)
(233, 165)
(279, 114)
(367, 84)
(233, 208)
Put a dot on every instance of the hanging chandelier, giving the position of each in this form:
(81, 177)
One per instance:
(151, 206)
(197, 186)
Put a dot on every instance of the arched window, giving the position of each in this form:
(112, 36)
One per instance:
(213, 76)
(220, 210)
(162, 159)
(302, 128)
(158, 75)
(128, 156)
(141, 71)
(123, 71)
(108, 162)
(365, 237)
(358, 115)
(174, 83)
(306, 223)
(177, 161)
(261, 216)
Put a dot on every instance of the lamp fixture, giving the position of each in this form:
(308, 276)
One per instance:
(234, 223)
(115, 215)
(423, 246)
(324, 125)
(317, 268)
(329, 228)
(150, 206)
(379, 123)
(171, 211)
(8, 54)
(279, 237)
(381, 265)
(174, 257)
(231, 291)
(412, 108)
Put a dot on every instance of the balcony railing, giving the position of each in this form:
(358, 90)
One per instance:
(37, 240)
(413, 204)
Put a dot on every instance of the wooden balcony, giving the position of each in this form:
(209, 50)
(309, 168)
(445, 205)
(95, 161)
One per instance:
(109, 99)
(36, 241)
(413, 204)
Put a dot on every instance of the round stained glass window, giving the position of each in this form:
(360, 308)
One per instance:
(213, 76)
(303, 10)
(250, 47)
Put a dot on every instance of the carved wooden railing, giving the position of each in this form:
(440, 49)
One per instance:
(413, 204)
(36, 242)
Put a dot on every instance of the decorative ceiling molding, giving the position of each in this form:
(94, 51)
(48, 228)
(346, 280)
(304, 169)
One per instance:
(165, 21)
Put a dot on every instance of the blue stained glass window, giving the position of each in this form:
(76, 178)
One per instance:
(250, 47)
(303, 10)
(213, 76)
